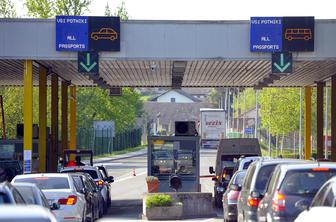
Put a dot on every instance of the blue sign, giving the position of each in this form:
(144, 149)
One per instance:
(27, 166)
(266, 34)
(72, 33)
(248, 131)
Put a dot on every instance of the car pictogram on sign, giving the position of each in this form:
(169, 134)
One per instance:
(298, 34)
(105, 33)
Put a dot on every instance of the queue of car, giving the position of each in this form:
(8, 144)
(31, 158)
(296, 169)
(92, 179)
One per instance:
(76, 193)
(280, 190)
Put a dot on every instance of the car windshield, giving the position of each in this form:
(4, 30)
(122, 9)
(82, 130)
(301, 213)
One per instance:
(3, 199)
(47, 183)
(247, 164)
(92, 173)
(263, 177)
(305, 182)
(28, 194)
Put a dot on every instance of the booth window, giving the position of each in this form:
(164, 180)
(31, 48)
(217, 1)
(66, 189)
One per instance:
(173, 157)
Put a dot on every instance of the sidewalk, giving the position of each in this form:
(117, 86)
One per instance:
(121, 156)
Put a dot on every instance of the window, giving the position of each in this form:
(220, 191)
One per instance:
(272, 182)
(78, 183)
(319, 197)
(92, 173)
(239, 178)
(172, 100)
(263, 176)
(249, 176)
(46, 183)
(4, 198)
(305, 182)
(17, 197)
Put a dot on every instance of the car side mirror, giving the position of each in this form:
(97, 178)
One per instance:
(54, 206)
(235, 187)
(302, 205)
(84, 190)
(109, 179)
(211, 170)
(256, 194)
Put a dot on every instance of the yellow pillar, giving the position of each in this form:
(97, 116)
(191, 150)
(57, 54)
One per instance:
(42, 144)
(307, 123)
(28, 116)
(72, 144)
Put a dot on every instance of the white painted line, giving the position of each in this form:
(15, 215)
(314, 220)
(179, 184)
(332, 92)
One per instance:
(130, 177)
(108, 164)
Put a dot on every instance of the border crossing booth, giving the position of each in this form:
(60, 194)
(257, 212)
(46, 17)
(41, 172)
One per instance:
(170, 156)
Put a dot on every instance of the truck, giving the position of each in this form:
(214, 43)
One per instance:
(211, 127)
(228, 153)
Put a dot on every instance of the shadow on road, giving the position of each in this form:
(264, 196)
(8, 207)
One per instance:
(125, 209)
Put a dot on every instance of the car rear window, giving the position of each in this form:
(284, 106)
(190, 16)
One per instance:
(239, 178)
(263, 176)
(28, 194)
(92, 173)
(305, 182)
(47, 183)
(3, 199)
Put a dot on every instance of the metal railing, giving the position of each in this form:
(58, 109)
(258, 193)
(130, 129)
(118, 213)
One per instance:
(102, 142)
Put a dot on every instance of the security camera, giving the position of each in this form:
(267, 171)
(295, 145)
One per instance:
(152, 66)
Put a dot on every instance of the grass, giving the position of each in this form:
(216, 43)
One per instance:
(119, 152)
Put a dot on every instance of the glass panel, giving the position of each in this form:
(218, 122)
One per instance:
(170, 157)
(263, 176)
(45, 183)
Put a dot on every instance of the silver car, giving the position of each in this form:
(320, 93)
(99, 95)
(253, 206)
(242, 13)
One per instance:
(61, 188)
(26, 213)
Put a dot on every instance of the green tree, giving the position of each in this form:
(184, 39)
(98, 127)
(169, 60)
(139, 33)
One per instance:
(279, 110)
(7, 9)
(51, 8)
(120, 11)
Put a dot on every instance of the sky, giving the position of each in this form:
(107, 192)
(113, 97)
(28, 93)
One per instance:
(211, 9)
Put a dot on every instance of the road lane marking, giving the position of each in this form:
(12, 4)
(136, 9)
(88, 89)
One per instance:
(130, 177)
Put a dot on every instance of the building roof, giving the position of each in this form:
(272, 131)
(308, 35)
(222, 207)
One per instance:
(180, 91)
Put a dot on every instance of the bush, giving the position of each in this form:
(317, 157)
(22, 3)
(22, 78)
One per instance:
(158, 200)
(151, 179)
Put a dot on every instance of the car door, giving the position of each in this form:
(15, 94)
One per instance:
(89, 195)
(245, 191)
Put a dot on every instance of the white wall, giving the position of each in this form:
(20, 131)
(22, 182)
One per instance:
(166, 98)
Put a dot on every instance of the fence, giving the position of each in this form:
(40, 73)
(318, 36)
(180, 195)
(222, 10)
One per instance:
(102, 142)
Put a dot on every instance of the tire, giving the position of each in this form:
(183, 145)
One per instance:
(218, 201)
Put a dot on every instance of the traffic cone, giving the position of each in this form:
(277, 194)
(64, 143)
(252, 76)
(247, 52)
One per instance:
(134, 172)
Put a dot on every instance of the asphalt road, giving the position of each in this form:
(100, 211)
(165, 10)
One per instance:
(127, 190)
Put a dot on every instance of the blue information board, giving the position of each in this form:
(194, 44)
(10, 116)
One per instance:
(266, 34)
(72, 33)
(248, 131)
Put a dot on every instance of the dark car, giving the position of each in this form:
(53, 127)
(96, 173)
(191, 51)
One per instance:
(228, 152)
(92, 193)
(290, 185)
(254, 186)
(230, 197)
(103, 183)
(10, 195)
(221, 184)
(9, 169)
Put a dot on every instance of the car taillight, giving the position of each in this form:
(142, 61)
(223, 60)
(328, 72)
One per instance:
(278, 202)
(100, 183)
(71, 200)
(253, 202)
(233, 195)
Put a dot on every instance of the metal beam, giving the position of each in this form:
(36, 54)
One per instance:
(53, 155)
(64, 131)
(307, 123)
(319, 119)
(28, 116)
(72, 144)
(333, 118)
(42, 146)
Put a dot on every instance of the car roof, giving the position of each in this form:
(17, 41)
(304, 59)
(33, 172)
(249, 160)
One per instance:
(309, 165)
(80, 168)
(26, 211)
(34, 175)
(270, 161)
